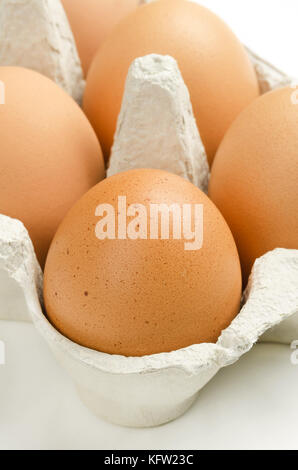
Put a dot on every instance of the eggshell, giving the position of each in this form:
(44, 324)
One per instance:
(254, 180)
(91, 22)
(144, 296)
(49, 155)
(213, 63)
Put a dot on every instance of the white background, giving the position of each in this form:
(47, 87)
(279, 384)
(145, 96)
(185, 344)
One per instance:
(269, 27)
(251, 405)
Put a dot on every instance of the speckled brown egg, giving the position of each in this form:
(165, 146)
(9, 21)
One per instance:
(254, 179)
(49, 154)
(138, 296)
(92, 21)
(213, 63)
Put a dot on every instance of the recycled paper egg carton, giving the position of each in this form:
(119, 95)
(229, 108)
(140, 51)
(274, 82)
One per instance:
(151, 390)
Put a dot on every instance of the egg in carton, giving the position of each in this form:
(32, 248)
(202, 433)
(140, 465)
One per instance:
(152, 390)
(140, 119)
(158, 388)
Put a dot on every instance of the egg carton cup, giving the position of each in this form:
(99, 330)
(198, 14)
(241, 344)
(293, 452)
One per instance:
(36, 34)
(152, 390)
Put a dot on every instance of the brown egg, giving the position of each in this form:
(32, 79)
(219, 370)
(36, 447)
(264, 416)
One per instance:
(254, 179)
(141, 296)
(49, 154)
(214, 65)
(91, 22)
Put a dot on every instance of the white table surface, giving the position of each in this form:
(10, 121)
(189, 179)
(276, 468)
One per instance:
(251, 405)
